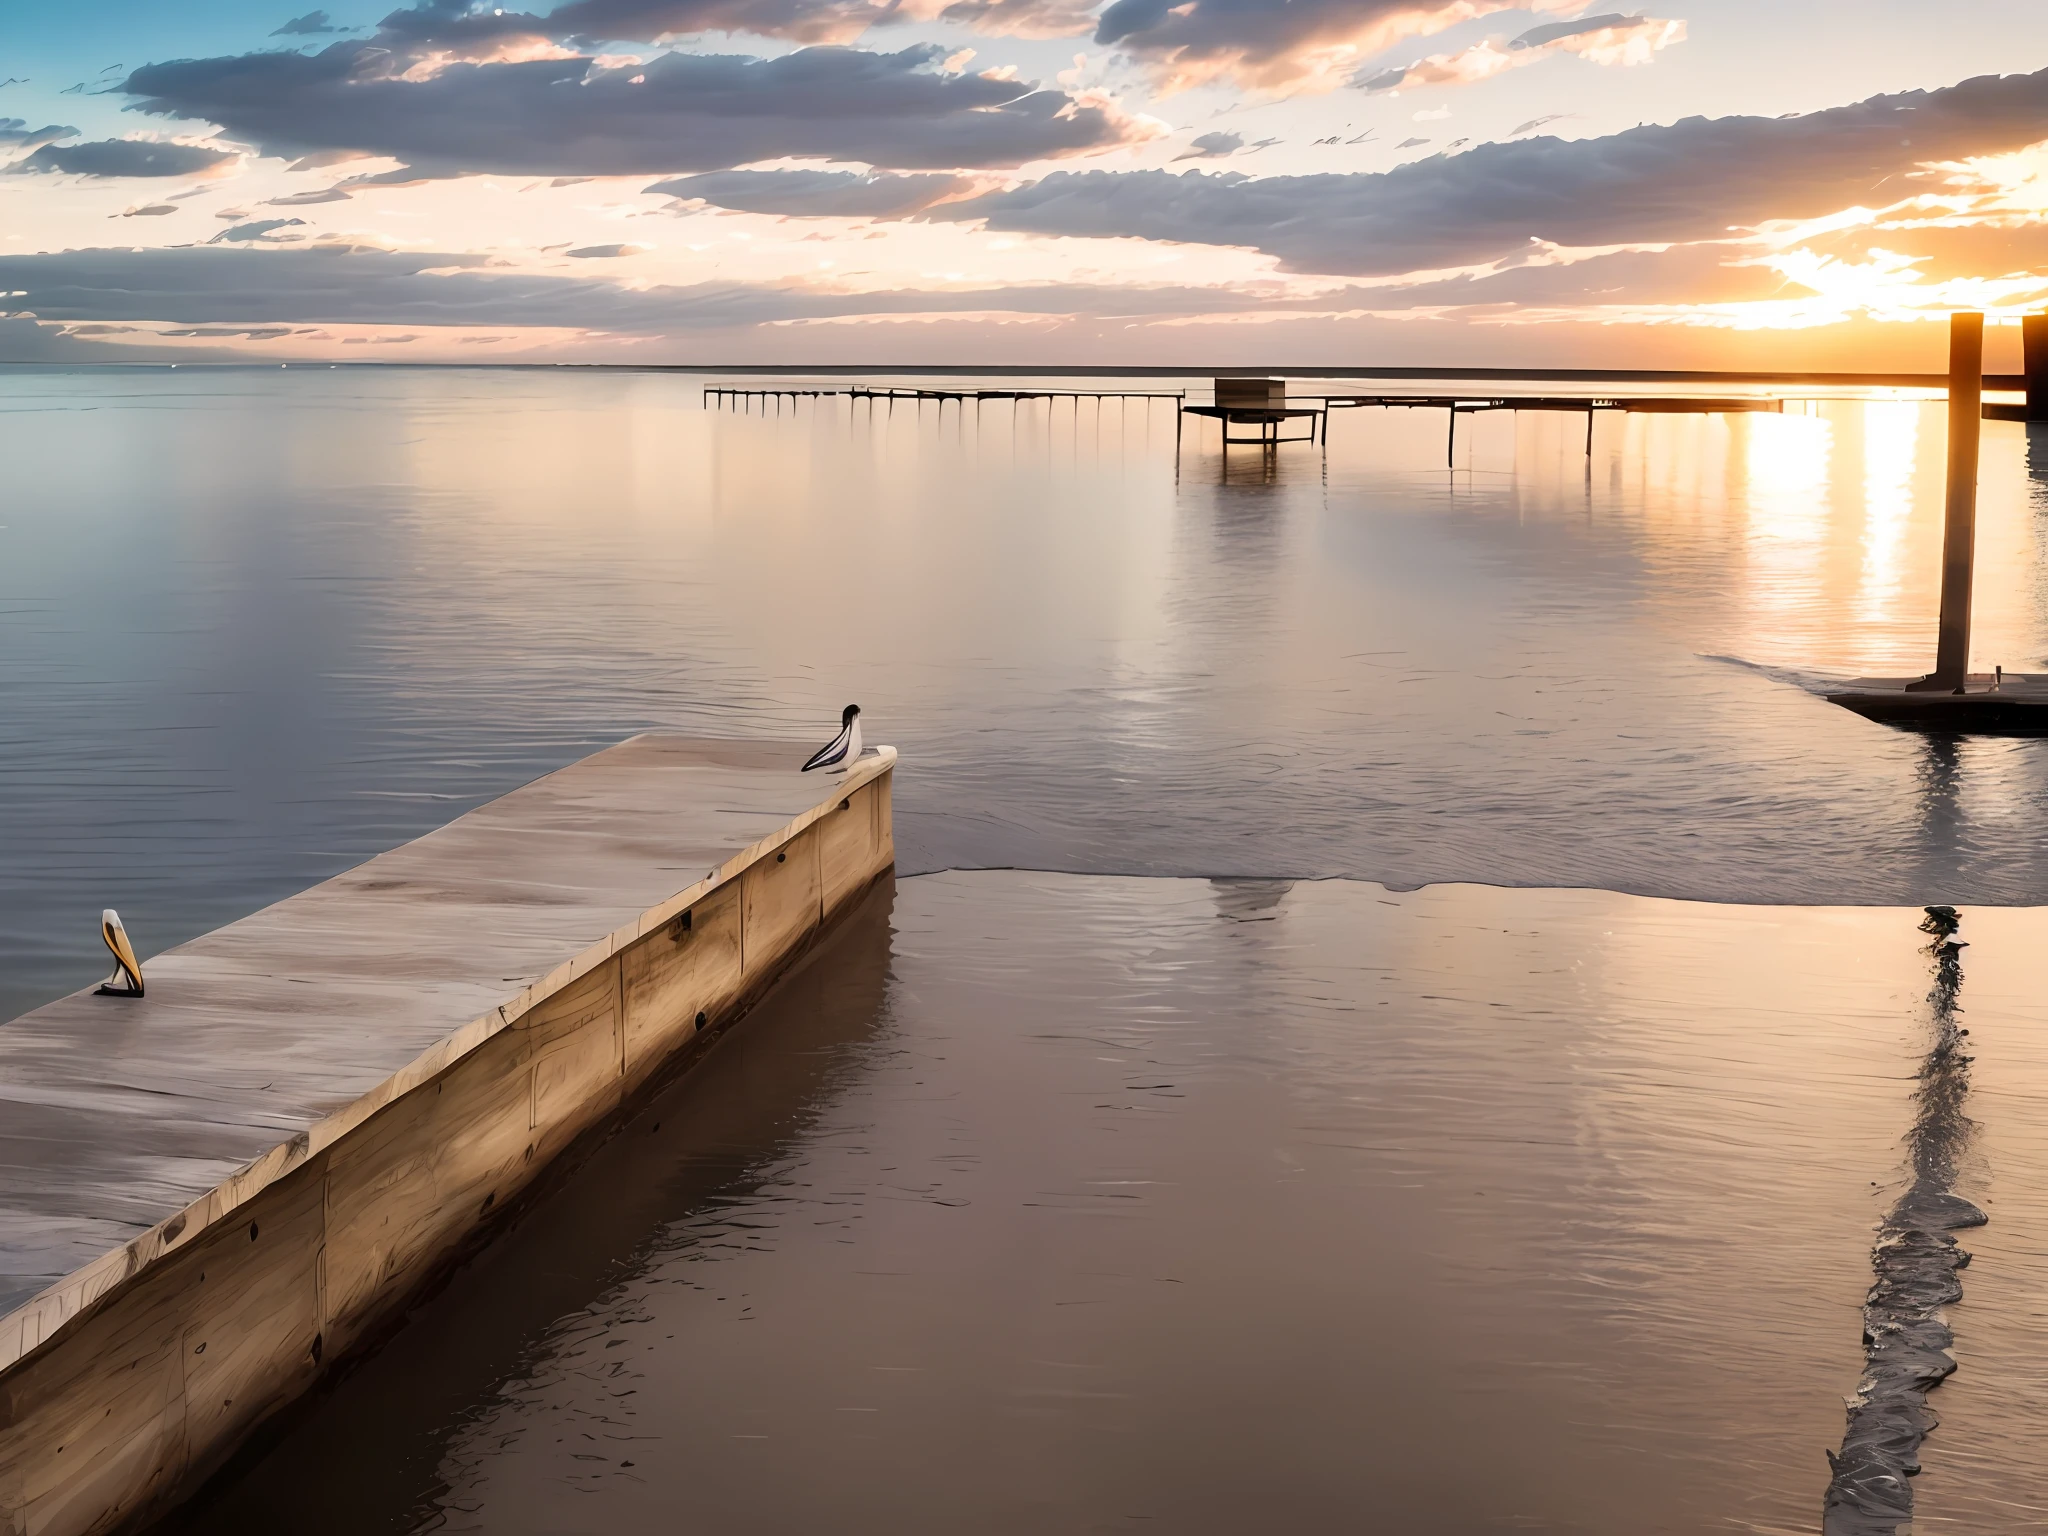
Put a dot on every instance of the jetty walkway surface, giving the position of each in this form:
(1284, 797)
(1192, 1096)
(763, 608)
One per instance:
(212, 1194)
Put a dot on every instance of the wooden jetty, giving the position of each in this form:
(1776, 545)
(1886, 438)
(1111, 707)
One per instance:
(733, 394)
(211, 1195)
(1591, 406)
(1268, 407)
(1951, 699)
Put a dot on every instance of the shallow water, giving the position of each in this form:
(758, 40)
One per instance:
(1206, 1203)
(258, 624)
(1042, 1202)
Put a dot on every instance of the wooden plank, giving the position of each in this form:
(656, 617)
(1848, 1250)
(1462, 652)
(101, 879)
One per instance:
(89, 1434)
(686, 971)
(849, 847)
(782, 902)
(252, 1340)
(578, 1059)
(408, 1183)
(885, 826)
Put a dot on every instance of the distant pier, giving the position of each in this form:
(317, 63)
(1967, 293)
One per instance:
(211, 1195)
(747, 396)
(1265, 405)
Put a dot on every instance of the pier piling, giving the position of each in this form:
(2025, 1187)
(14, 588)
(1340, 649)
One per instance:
(1959, 525)
(1950, 701)
(2034, 338)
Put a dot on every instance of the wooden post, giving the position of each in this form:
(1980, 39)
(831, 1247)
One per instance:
(1959, 527)
(2034, 338)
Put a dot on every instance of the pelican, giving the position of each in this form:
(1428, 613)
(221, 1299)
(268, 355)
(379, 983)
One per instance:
(127, 978)
(837, 755)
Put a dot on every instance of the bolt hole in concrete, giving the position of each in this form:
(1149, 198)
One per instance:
(1041, 1202)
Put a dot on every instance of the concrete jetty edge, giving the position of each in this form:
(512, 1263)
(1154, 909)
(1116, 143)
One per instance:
(112, 1409)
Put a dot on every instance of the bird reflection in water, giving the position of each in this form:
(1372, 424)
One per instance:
(1249, 901)
(1918, 1266)
(1940, 796)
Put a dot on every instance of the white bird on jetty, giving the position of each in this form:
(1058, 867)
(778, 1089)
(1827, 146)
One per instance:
(838, 754)
(127, 978)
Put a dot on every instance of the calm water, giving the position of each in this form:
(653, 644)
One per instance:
(256, 625)
(1056, 1203)
(1085, 1200)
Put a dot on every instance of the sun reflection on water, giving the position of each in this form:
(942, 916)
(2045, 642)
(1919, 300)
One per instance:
(1785, 485)
(1891, 441)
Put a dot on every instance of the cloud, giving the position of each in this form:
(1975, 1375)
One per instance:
(1689, 274)
(1462, 68)
(1410, 143)
(1213, 146)
(1614, 40)
(817, 194)
(1015, 18)
(1539, 122)
(126, 157)
(258, 229)
(227, 293)
(240, 332)
(606, 252)
(308, 25)
(303, 199)
(1945, 252)
(147, 211)
(1689, 180)
(677, 112)
(242, 286)
(458, 29)
(17, 136)
(1622, 40)
(24, 341)
(1277, 44)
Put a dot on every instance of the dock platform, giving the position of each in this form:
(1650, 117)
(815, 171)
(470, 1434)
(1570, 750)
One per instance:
(1271, 422)
(2014, 704)
(212, 1194)
(1270, 418)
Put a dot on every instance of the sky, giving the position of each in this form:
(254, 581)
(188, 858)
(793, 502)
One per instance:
(1330, 183)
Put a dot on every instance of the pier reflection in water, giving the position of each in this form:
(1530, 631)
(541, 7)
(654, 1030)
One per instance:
(1056, 1203)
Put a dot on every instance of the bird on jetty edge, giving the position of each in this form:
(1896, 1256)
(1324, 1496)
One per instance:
(127, 978)
(838, 754)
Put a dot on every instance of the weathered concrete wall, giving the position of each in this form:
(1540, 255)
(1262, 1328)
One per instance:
(151, 1384)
